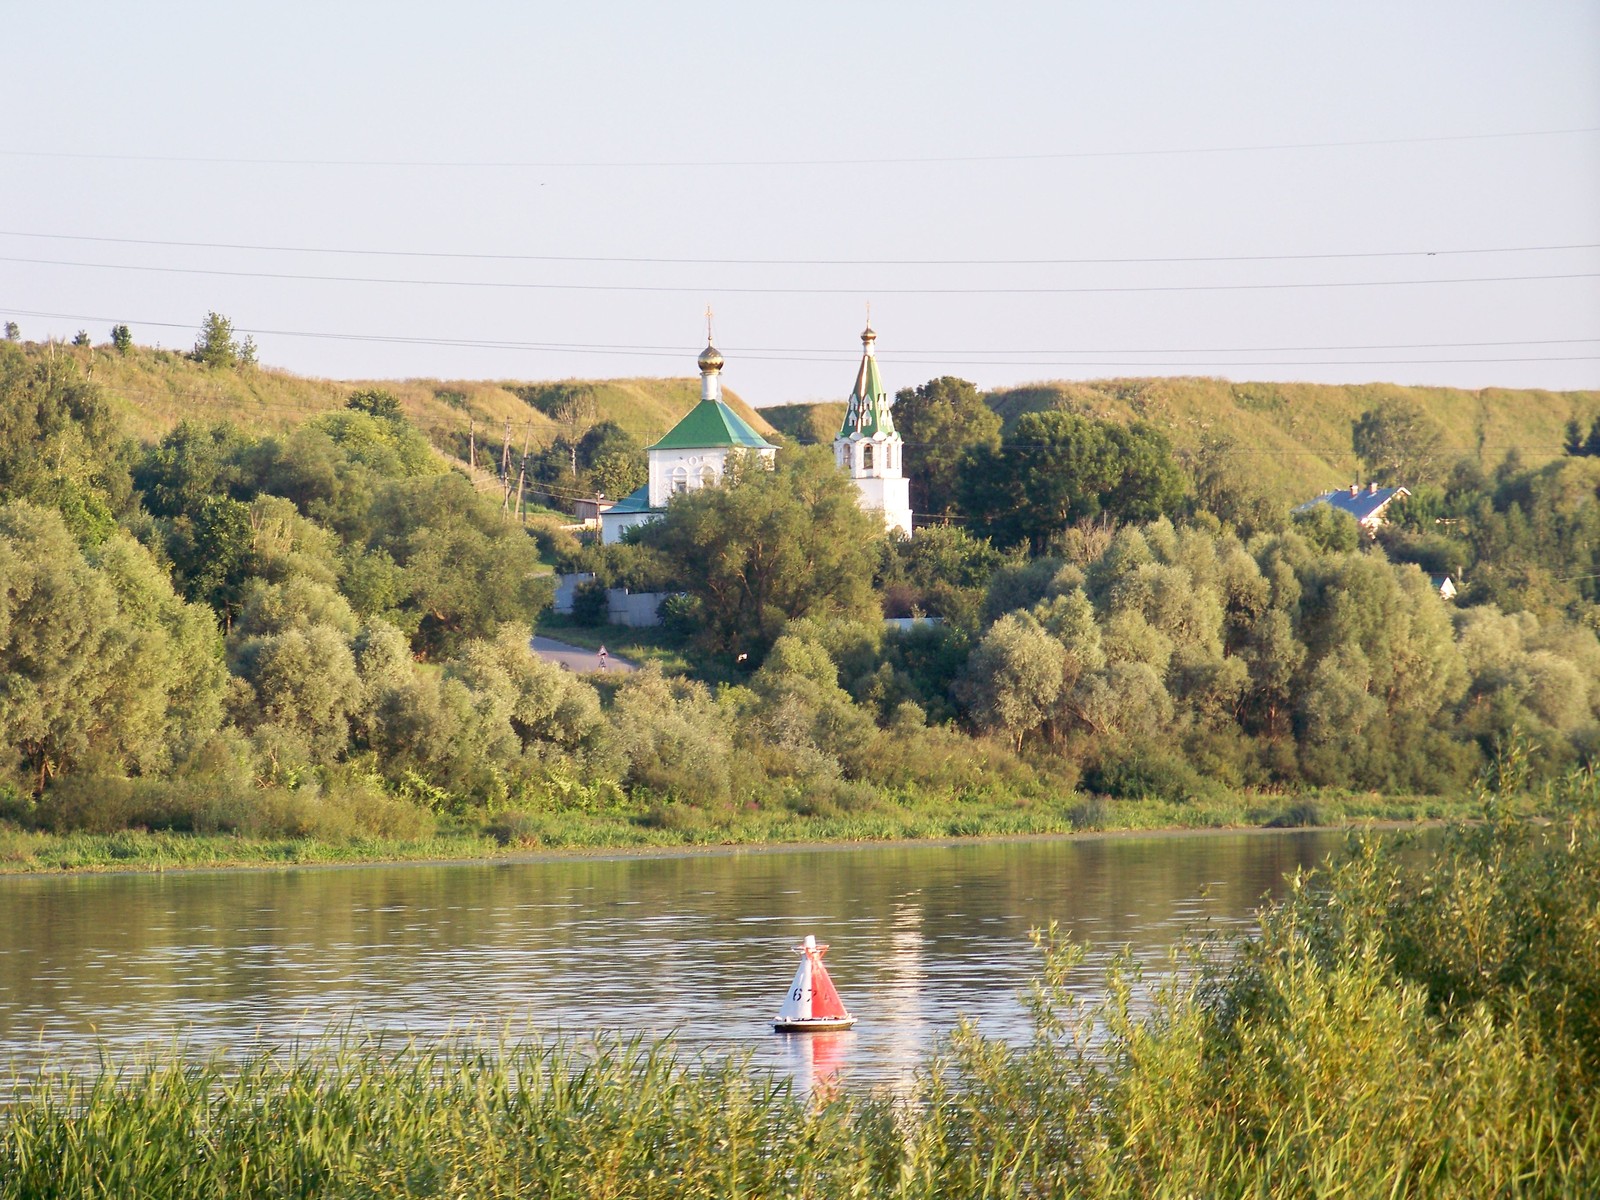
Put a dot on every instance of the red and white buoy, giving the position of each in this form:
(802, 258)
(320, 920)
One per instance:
(813, 1003)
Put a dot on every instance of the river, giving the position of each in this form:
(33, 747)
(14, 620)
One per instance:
(695, 945)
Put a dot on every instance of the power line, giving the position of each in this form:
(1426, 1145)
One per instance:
(701, 290)
(807, 262)
(904, 160)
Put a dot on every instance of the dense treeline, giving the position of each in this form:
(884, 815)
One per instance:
(1405, 1025)
(325, 631)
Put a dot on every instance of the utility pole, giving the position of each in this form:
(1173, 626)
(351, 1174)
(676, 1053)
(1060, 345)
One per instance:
(505, 471)
(472, 452)
(522, 472)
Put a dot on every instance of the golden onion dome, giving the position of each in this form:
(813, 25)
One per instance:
(868, 336)
(710, 358)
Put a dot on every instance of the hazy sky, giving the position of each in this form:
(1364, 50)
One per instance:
(1406, 192)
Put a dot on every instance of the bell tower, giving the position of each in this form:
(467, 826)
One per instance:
(868, 447)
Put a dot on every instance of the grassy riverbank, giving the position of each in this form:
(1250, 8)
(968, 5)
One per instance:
(668, 827)
(1402, 1026)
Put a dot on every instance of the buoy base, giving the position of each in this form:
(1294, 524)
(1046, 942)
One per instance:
(812, 1024)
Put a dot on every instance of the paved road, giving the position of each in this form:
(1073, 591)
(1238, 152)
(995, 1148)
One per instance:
(576, 658)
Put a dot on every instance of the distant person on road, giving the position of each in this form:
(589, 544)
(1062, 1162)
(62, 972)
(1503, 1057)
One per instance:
(602, 658)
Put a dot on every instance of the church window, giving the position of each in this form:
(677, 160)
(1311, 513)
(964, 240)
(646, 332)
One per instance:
(708, 476)
(866, 456)
(680, 479)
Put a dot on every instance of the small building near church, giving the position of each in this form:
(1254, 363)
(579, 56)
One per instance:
(693, 454)
(1366, 505)
(869, 449)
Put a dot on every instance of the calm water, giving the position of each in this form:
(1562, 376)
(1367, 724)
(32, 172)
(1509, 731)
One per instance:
(697, 945)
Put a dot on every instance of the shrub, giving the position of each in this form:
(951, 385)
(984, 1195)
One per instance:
(514, 829)
(682, 616)
(1093, 812)
(674, 817)
(1136, 773)
(1298, 816)
(590, 604)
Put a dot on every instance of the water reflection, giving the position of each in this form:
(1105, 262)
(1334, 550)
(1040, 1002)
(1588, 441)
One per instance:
(698, 945)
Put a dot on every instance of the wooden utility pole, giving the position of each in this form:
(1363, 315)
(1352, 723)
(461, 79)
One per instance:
(505, 471)
(522, 473)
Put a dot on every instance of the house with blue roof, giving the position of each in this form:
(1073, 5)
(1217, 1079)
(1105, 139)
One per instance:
(1366, 505)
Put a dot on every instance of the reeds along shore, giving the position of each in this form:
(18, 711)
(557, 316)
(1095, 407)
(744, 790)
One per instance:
(1401, 1025)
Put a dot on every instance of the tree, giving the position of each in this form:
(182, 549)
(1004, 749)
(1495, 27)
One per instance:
(465, 570)
(303, 689)
(1013, 678)
(1329, 529)
(1398, 442)
(673, 739)
(192, 464)
(1227, 485)
(122, 338)
(98, 658)
(60, 446)
(771, 545)
(941, 421)
(613, 458)
(943, 572)
(217, 346)
(13, 332)
(81, 338)
(375, 402)
(1572, 441)
(1057, 468)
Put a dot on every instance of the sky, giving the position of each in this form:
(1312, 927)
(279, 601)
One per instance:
(1356, 192)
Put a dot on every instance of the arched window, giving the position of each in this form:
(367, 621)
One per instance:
(708, 476)
(680, 479)
(866, 456)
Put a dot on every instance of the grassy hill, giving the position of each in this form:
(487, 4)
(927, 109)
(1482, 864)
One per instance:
(155, 389)
(809, 424)
(1296, 434)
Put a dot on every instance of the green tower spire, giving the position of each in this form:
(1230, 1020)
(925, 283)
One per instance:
(867, 414)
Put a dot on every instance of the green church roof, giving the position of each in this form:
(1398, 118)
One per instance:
(712, 423)
(867, 414)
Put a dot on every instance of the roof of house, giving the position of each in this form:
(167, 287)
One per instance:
(1363, 506)
(711, 423)
(636, 501)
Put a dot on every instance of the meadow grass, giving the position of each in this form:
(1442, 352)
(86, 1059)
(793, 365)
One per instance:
(1357, 1045)
(905, 815)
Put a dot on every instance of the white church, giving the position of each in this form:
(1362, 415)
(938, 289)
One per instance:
(694, 453)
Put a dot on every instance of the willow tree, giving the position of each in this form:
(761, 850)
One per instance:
(772, 545)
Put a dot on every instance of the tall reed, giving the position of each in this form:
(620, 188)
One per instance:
(1395, 1028)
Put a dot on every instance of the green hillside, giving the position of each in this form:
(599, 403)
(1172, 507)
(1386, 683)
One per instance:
(1297, 434)
(809, 424)
(155, 389)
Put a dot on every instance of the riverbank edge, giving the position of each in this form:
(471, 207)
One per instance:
(289, 854)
